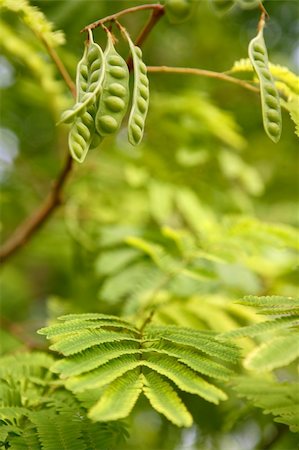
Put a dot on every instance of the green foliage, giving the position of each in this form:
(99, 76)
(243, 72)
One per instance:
(160, 240)
(36, 412)
(120, 357)
(279, 399)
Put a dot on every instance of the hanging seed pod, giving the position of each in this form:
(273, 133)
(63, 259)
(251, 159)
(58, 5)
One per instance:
(114, 99)
(249, 4)
(140, 99)
(89, 78)
(222, 6)
(269, 96)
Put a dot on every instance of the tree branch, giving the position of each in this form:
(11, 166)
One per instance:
(155, 6)
(203, 73)
(155, 16)
(29, 227)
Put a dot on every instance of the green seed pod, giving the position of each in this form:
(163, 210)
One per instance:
(140, 98)
(178, 10)
(269, 96)
(222, 6)
(249, 4)
(114, 99)
(89, 78)
(80, 136)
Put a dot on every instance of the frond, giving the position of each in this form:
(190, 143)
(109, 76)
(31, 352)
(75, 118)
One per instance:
(94, 357)
(118, 399)
(268, 326)
(165, 400)
(104, 374)
(57, 431)
(75, 326)
(186, 379)
(200, 340)
(78, 342)
(104, 368)
(279, 399)
(110, 435)
(27, 441)
(194, 360)
(277, 352)
(275, 304)
(35, 20)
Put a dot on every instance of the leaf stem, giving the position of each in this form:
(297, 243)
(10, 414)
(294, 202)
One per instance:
(204, 73)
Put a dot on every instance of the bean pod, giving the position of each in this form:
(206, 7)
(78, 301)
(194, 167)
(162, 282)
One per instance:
(269, 96)
(178, 10)
(114, 99)
(89, 78)
(249, 4)
(140, 99)
(82, 134)
(222, 6)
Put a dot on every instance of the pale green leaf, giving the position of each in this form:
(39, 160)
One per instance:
(165, 400)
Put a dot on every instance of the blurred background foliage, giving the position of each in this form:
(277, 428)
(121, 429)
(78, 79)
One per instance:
(201, 213)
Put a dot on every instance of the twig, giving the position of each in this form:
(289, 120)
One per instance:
(204, 73)
(60, 66)
(133, 9)
(24, 232)
(155, 16)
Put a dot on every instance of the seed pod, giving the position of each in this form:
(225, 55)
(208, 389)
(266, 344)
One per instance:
(89, 78)
(249, 4)
(140, 98)
(178, 10)
(114, 99)
(269, 96)
(222, 6)
(82, 134)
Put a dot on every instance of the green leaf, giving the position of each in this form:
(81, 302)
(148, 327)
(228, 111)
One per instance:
(94, 357)
(75, 343)
(104, 374)
(165, 400)
(263, 327)
(118, 399)
(277, 352)
(57, 431)
(185, 378)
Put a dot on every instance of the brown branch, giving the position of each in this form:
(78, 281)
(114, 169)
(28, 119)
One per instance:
(29, 227)
(60, 66)
(154, 18)
(204, 73)
(133, 9)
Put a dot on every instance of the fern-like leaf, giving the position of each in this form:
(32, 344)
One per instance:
(94, 357)
(165, 400)
(102, 364)
(57, 431)
(186, 379)
(119, 398)
(104, 374)
(279, 399)
(268, 326)
(277, 352)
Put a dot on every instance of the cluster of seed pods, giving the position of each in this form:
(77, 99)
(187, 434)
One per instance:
(269, 96)
(103, 93)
